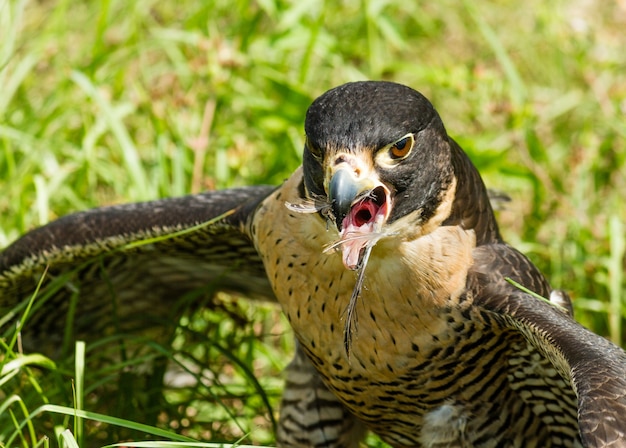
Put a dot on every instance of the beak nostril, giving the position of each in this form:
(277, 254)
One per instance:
(351, 162)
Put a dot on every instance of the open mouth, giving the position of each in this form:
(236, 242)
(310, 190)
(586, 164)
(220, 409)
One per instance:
(362, 226)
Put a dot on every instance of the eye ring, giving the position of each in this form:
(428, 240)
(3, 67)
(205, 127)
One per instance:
(402, 148)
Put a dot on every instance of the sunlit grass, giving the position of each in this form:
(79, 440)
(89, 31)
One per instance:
(109, 102)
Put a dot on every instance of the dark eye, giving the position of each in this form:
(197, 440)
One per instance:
(315, 152)
(402, 147)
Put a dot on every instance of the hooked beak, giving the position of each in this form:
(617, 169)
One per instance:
(343, 189)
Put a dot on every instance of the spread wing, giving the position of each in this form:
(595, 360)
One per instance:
(595, 367)
(124, 267)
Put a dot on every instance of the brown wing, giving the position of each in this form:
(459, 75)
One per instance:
(124, 267)
(595, 366)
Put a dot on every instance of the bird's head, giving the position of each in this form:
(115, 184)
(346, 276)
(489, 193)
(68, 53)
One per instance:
(379, 155)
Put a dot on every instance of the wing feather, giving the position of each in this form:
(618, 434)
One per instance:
(595, 367)
(125, 266)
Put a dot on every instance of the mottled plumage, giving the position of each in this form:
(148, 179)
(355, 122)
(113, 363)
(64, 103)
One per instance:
(386, 258)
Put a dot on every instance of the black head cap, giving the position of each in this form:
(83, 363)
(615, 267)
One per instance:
(367, 114)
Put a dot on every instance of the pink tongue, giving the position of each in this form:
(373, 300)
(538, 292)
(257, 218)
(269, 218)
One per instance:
(358, 223)
(363, 213)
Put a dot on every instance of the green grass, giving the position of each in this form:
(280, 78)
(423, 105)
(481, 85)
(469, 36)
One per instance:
(114, 101)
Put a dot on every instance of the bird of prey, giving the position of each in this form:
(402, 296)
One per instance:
(413, 317)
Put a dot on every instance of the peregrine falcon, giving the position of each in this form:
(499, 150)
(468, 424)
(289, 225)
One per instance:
(412, 316)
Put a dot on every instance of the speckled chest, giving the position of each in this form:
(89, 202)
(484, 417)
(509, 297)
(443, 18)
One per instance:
(420, 347)
(401, 339)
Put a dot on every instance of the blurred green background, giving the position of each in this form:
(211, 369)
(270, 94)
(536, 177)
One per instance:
(111, 101)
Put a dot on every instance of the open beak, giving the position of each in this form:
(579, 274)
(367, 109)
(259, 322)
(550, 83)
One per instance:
(360, 206)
